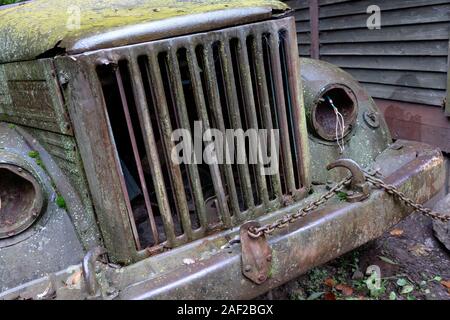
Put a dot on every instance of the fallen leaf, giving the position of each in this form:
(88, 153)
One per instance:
(446, 284)
(402, 282)
(387, 260)
(330, 282)
(397, 232)
(419, 250)
(74, 279)
(44, 294)
(329, 296)
(407, 289)
(392, 296)
(346, 290)
(315, 295)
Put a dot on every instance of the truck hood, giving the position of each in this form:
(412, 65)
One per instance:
(44, 28)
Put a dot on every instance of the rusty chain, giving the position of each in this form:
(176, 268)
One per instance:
(392, 190)
(378, 183)
(282, 223)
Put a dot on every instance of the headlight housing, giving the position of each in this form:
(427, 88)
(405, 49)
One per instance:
(323, 116)
(21, 200)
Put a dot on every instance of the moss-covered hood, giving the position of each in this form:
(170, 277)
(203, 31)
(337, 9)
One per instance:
(34, 28)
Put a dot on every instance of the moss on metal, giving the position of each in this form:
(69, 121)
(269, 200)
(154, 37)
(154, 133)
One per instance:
(42, 24)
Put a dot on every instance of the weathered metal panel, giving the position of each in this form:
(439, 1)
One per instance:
(87, 111)
(5, 97)
(49, 27)
(52, 242)
(64, 151)
(30, 96)
(365, 143)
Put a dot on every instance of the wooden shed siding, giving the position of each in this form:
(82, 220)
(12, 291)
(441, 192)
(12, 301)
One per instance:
(303, 25)
(407, 60)
(447, 104)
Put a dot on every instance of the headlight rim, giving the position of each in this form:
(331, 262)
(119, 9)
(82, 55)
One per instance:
(34, 211)
(315, 128)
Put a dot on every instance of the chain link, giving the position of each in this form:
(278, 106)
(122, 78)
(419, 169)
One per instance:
(282, 223)
(392, 190)
(378, 183)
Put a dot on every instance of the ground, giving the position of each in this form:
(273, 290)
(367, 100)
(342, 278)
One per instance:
(412, 263)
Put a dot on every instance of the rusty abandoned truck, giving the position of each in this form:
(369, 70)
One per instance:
(93, 208)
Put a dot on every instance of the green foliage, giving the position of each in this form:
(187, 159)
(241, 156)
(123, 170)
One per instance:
(33, 154)
(406, 287)
(316, 278)
(3, 2)
(61, 202)
(37, 158)
(342, 196)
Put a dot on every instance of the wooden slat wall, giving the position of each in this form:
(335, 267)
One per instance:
(301, 8)
(447, 104)
(407, 60)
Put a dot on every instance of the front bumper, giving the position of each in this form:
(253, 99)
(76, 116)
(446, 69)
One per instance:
(206, 269)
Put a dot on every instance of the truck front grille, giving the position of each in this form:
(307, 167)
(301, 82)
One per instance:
(238, 78)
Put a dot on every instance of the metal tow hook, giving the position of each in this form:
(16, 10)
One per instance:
(359, 186)
(88, 266)
(256, 254)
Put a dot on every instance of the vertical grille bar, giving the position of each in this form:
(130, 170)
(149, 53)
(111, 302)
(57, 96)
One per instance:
(150, 146)
(166, 126)
(298, 113)
(250, 107)
(265, 103)
(199, 97)
(233, 104)
(184, 122)
(213, 93)
(137, 159)
(124, 187)
(281, 110)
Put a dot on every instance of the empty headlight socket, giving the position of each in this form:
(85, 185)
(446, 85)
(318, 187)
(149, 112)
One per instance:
(21, 200)
(323, 116)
